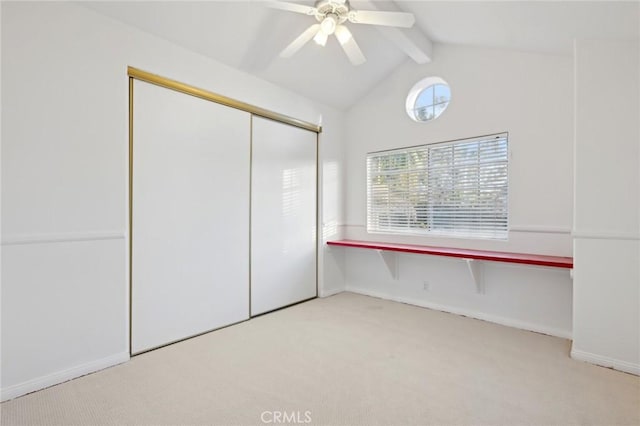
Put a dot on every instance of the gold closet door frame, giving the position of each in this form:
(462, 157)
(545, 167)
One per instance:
(137, 74)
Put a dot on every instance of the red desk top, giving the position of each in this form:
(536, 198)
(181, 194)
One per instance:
(496, 256)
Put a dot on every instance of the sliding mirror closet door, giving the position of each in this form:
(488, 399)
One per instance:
(283, 215)
(190, 216)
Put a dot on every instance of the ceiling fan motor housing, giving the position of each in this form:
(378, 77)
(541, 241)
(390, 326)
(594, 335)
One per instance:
(340, 9)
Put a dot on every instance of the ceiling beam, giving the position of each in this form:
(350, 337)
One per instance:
(412, 40)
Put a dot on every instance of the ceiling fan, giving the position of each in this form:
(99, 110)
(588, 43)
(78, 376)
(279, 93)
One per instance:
(331, 16)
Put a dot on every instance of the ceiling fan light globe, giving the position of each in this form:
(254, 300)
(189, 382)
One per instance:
(343, 35)
(321, 38)
(329, 23)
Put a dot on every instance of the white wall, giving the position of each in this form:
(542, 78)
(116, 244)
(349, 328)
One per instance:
(607, 204)
(331, 151)
(531, 97)
(64, 181)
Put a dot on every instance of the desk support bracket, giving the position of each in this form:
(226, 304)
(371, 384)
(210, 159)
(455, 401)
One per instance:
(475, 269)
(391, 260)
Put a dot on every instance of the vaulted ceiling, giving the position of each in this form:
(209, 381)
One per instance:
(248, 35)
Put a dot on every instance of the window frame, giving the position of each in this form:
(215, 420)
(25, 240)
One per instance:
(500, 233)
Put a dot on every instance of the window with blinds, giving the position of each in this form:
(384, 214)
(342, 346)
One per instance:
(454, 188)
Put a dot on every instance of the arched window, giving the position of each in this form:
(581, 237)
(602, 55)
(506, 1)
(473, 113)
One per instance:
(427, 99)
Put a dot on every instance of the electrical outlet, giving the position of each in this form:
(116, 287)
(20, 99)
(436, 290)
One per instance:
(425, 285)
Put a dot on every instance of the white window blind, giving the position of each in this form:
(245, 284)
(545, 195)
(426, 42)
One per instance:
(454, 188)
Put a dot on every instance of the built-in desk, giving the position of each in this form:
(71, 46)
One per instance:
(471, 256)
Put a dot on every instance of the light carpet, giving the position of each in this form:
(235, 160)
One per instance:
(345, 360)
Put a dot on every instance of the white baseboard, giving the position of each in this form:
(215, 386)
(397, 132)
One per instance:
(603, 361)
(61, 376)
(523, 325)
(331, 292)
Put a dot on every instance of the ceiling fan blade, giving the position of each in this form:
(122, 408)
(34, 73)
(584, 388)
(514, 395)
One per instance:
(292, 7)
(300, 41)
(349, 45)
(374, 17)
